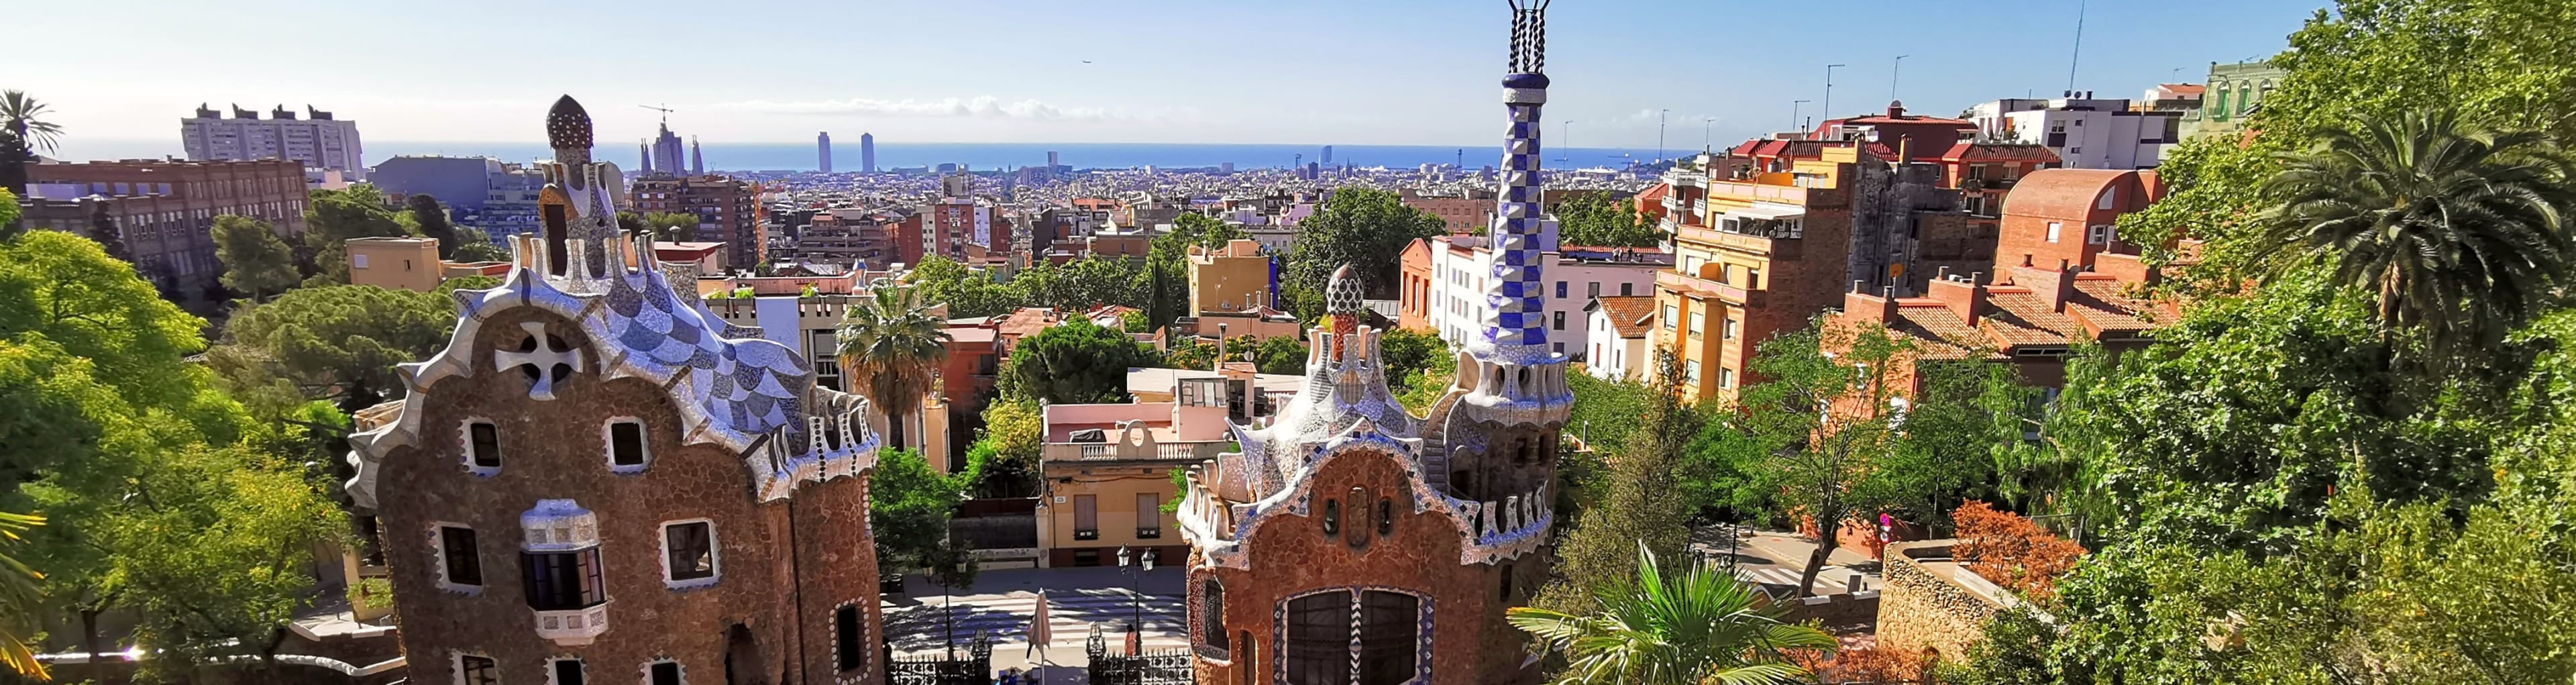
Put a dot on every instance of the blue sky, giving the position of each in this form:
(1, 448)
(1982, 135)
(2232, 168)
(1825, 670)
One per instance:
(1301, 71)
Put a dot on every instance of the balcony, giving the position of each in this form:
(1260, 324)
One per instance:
(573, 627)
(1731, 294)
(1175, 451)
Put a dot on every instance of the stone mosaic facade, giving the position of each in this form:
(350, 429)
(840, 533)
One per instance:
(1425, 528)
(642, 483)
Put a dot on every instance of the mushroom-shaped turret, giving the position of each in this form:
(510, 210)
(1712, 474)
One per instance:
(568, 125)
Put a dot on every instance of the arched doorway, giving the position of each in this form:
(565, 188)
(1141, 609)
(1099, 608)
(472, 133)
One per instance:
(742, 662)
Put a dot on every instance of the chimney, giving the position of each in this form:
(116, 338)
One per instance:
(1966, 297)
(1862, 306)
(1895, 108)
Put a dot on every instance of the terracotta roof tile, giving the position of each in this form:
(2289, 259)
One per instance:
(1630, 315)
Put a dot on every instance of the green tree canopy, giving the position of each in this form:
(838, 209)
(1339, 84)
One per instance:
(164, 499)
(337, 216)
(256, 262)
(337, 343)
(1074, 362)
(430, 218)
(1596, 219)
(1362, 227)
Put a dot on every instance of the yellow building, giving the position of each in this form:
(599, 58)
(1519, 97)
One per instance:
(1231, 279)
(403, 263)
(1108, 470)
(1756, 253)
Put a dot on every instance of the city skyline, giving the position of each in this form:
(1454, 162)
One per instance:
(1035, 79)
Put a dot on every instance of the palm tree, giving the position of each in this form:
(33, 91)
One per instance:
(21, 135)
(891, 348)
(1698, 627)
(2459, 234)
(18, 600)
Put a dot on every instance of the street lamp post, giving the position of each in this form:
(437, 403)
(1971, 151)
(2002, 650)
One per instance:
(1136, 580)
(1829, 91)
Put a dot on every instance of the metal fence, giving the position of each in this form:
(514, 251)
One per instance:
(971, 666)
(1153, 667)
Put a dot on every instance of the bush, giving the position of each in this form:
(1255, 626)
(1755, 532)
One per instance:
(2012, 551)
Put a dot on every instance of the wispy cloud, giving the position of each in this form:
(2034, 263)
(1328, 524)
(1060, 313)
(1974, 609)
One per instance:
(983, 106)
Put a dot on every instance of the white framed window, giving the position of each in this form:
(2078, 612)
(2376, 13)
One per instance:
(1725, 377)
(477, 669)
(1690, 371)
(2108, 196)
(849, 637)
(2098, 234)
(664, 672)
(460, 561)
(1697, 319)
(482, 448)
(566, 671)
(2053, 228)
(1672, 317)
(628, 451)
(358, 261)
(689, 553)
(1728, 332)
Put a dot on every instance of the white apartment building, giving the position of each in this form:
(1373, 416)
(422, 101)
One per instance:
(1460, 264)
(1617, 327)
(2085, 132)
(318, 141)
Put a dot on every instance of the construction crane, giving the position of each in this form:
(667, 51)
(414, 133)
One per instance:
(666, 112)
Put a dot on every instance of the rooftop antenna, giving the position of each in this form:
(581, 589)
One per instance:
(2079, 46)
(666, 112)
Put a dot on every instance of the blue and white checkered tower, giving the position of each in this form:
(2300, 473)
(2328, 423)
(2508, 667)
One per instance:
(1517, 367)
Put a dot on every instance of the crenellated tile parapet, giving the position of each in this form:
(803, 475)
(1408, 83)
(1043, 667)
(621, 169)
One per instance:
(745, 394)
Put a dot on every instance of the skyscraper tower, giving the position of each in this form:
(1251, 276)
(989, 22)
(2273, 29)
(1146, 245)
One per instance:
(823, 151)
(643, 157)
(1328, 155)
(697, 160)
(868, 153)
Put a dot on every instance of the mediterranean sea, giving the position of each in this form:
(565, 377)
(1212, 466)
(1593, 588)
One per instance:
(976, 156)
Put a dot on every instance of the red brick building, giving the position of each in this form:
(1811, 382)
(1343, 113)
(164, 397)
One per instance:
(598, 479)
(165, 211)
(725, 208)
(2061, 278)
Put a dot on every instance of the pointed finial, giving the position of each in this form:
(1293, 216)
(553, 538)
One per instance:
(568, 125)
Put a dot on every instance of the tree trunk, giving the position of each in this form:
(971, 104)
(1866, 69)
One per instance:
(894, 429)
(89, 633)
(1827, 539)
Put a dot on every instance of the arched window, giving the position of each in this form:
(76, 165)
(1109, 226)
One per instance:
(1212, 618)
(1319, 648)
(1359, 512)
(1385, 516)
(1332, 517)
(2244, 98)
(2217, 107)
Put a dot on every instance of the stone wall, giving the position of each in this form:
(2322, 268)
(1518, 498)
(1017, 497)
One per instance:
(1919, 610)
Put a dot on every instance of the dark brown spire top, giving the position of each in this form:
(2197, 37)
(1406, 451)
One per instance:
(568, 125)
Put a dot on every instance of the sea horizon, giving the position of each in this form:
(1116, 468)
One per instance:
(747, 157)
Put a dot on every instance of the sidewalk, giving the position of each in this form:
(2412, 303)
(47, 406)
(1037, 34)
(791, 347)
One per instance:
(1777, 559)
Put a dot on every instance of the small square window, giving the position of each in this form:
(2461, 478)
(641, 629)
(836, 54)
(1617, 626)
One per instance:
(2053, 228)
(460, 564)
(568, 672)
(626, 447)
(472, 669)
(483, 447)
(665, 673)
(689, 553)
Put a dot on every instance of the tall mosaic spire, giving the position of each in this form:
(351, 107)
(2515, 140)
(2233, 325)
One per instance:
(1517, 316)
